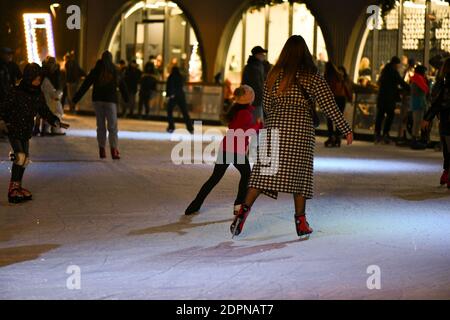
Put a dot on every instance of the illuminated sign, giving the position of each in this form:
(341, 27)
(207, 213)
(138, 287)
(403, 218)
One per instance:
(39, 36)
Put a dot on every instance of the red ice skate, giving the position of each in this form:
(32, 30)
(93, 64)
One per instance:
(115, 154)
(444, 178)
(27, 195)
(302, 226)
(14, 193)
(238, 224)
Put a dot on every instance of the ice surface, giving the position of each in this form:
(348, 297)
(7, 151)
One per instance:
(122, 223)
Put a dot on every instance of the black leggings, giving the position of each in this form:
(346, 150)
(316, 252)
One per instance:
(385, 112)
(18, 146)
(340, 101)
(243, 167)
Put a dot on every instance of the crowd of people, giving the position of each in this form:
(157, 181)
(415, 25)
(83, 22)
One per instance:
(282, 97)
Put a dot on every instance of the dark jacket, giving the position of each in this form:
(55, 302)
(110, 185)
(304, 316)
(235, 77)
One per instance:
(440, 105)
(104, 92)
(73, 71)
(389, 82)
(132, 77)
(175, 85)
(253, 76)
(20, 107)
(148, 85)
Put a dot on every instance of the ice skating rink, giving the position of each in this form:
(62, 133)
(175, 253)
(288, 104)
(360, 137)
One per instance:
(121, 225)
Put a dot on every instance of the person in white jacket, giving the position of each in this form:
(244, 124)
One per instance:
(51, 88)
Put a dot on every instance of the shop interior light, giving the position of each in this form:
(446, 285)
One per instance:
(32, 22)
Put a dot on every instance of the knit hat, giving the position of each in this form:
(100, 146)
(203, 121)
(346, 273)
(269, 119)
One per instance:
(244, 95)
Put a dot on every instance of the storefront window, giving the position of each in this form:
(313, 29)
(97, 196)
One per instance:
(278, 30)
(158, 31)
(277, 17)
(381, 44)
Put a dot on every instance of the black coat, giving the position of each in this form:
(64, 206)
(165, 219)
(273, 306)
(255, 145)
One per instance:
(132, 77)
(175, 85)
(20, 107)
(104, 92)
(253, 76)
(148, 85)
(390, 81)
(441, 105)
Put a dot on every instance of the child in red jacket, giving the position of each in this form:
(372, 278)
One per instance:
(233, 149)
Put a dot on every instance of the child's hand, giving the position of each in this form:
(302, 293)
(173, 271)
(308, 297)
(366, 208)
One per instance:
(64, 125)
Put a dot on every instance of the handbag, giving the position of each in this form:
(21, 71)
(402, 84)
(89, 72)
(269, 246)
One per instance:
(311, 105)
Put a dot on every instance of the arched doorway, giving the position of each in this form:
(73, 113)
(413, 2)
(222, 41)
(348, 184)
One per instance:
(159, 31)
(270, 26)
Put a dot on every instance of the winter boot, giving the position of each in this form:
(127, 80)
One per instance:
(444, 177)
(330, 143)
(27, 195)
(115, 154)
(102, 153)
(378, 139)
(302, 226)
(14, 193)
(238, 224)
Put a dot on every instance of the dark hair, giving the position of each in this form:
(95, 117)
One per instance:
(51, 71)
(420, 70)
(149, 68)
(107, 68)
(294, 57)
(175, 70)
(332, 73)
(31, 72)
(229, 114)
(395, 60)
(343, 71)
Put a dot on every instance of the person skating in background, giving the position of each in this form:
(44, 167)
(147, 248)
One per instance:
(342, 94)
(105, 78)
(292, 85)
(233, 149)
(440, 107)
(175, 94)
(388, 95)
(418, 104)
(51, 88)
(18, 110)
(132, 77)
(73, 75)
(254, 76)
(148, 86)
(123, 106)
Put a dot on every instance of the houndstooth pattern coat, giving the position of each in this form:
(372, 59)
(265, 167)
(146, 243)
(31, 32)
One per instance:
(290, 115)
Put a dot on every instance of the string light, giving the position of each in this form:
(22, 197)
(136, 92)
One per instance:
(31, 24)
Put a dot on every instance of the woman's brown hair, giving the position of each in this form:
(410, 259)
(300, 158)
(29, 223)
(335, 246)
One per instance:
(294, 57)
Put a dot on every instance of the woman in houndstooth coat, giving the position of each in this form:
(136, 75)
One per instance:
(292, 85)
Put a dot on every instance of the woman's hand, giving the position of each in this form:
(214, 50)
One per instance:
(349, 138)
